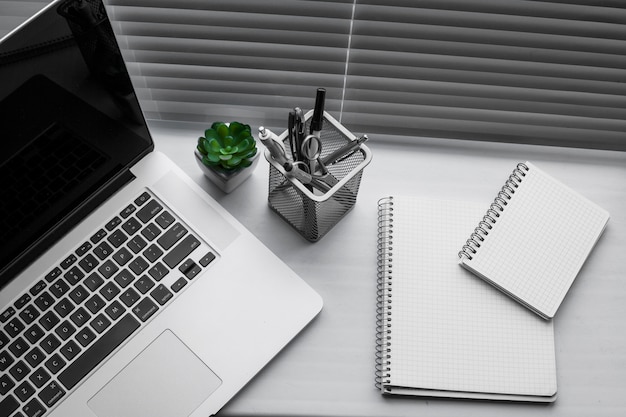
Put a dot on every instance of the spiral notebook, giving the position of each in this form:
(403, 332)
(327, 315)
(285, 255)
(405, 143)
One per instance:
(534, 238)
(448, 334)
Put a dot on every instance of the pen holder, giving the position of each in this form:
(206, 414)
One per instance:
(312, 212)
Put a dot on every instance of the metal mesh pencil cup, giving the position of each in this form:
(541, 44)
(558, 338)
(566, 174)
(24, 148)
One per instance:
(309, 211)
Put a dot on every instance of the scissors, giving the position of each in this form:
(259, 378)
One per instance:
(311, 150)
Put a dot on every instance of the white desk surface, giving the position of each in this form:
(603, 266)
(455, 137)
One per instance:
(328, 370)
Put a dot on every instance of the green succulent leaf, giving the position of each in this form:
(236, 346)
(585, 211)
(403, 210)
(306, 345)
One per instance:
(227, 145)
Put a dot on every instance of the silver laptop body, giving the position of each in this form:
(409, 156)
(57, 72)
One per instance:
(139, 295)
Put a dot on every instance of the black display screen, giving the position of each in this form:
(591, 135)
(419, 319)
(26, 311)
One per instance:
(70, 122)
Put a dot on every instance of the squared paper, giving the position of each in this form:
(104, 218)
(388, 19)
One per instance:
(539, 243)
(451, 334)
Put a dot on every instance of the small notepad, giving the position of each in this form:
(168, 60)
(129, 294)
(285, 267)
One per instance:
(534, 238)
(441, 331)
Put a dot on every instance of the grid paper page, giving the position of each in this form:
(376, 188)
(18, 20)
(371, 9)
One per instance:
(453, 332)
(540, 242)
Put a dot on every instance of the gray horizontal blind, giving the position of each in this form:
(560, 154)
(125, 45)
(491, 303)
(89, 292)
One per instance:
(503, 70)
(550, 72)
(247, 60)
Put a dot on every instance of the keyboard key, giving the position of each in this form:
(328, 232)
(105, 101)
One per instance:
(103, 250)
(145, 309)
(49, 320)
(78, 294)
(94, 281)
(80, 317)
(6, 383)
(181, 251)
(18, 347)
(54, 274)
(98, 236)
(51, 394)
(85, 336)
(143, 198)
(22, 301)
(165, 219)
(4, 339)
(117, 238)
(59, 288)
(130, 209)
(7, 314)
(131, 226)
(152, 253)
(34, 357)
(50, 343)
(39, 377)
(100, 323)
(55, 363)
(122, 256)
(138, 265)
(74, 275)
(113, 223)
(179, 284)
(24, 391)
(108, 268)
(82, 249)
(147, 212)
(115, 310)
(161, 294)
(14, 327)
(8, 405)
(158, 271)
(95, 304)
(64, 307)
(124, 278)
(29, 314)
(38, 287)
(88, 263)
(173, 235)
(69, 261)
(44, 301)
(19, 371)
(5, 360)
(34, 408)
(151, 232)
(101, 348)
(109, 291)
(70, 350)
(130, 297)
(144, 284)
(136, 244)
(207, 259)
(190, 269)
(34, 333)
(65, 330)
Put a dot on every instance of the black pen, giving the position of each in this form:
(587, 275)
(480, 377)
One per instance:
(345, 151)
(317, 120)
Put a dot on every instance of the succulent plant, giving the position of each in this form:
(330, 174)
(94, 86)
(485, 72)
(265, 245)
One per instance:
(230, 146)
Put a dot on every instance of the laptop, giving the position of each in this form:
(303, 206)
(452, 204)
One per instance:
(125, 289)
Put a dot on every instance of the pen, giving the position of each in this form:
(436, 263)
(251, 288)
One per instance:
(271, 142)
(345, 151)
(318, 112)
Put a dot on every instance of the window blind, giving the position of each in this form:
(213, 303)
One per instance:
(547, 72)
(198, 60)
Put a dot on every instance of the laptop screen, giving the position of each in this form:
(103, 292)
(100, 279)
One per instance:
(70, 125)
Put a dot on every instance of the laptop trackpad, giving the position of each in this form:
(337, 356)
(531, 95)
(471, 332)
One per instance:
(165, 380)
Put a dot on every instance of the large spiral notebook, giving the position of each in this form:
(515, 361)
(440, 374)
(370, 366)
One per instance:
(440, 331)
(534, 238)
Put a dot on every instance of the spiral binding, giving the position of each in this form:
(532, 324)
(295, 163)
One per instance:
(383, 292)
(494, 211)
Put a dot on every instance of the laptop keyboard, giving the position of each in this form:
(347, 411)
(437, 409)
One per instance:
(110, 286)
